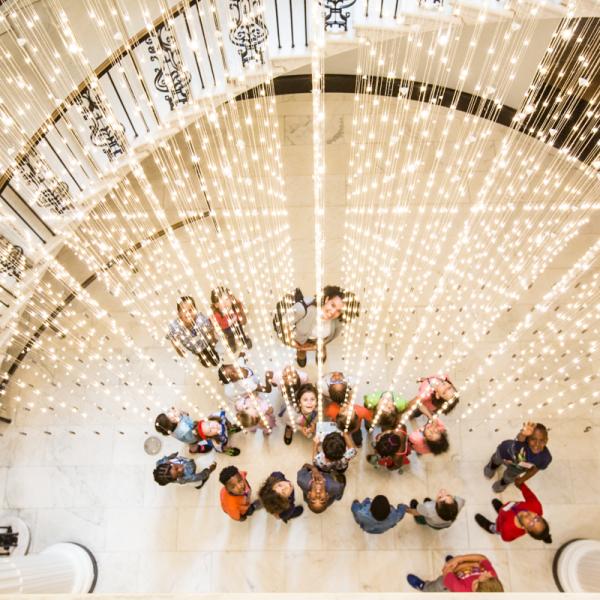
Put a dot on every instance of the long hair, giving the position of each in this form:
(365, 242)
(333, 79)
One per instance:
(272, 501)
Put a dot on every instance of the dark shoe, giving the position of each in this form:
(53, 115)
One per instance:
(496, 504)
(448, 557)
(213, 466)
(413, 503)
(321, 358)
(420, 520)
(499, 486)
(415, 582)
(301, 358)
(248, 343)
(288, 435)
(298, 510)
(489, 470)
(483, 522)
(427, 499)
(232, 451)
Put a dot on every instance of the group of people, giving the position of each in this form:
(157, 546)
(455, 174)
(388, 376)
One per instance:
(327, 413)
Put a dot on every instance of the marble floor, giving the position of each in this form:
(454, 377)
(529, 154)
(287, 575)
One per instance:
(94, 486)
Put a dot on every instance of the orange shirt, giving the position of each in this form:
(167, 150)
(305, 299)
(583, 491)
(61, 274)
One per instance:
(333, 410)
(236, 506)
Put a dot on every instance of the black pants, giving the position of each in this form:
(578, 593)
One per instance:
(208, 357)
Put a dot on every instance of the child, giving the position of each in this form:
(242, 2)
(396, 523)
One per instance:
(239, 379)
(439, 513)
(236, 493)
(468, 573)
(288, 381)
(230, 315)
(320, 489)
(359, 414)
(193, 331)
(277, 496)
(391, 450)
(178, 424)
(336, 451)
(249, 409)
(214, 435)
(432, 438)
(515, 519)
(523, 456)
(377, 516)
(387, 407)
(305, 413)
(436, 394)
(174, 468)
(335, 385)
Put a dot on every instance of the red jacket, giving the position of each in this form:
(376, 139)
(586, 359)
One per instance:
(505, 523)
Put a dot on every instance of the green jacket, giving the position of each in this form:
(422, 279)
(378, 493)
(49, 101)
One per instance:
(372, 400)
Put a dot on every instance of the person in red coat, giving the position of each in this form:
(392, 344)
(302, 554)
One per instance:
(515, 519)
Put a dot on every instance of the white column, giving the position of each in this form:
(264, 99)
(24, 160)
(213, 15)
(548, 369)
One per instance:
(577, 566)
(64, 568)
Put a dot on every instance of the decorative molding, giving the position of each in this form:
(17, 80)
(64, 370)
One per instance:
(170, 76)
(337, 14)
(51, 192)
(103, 134)
(249, 32)
(12, 259)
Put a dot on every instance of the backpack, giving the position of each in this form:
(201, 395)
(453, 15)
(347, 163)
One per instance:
(283, 324)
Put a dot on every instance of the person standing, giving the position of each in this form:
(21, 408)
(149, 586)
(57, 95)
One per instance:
(467, 573)
(515, 519)
(193, 331)
(236, 494)
(523, 457)
(304, 321)
(377, 515)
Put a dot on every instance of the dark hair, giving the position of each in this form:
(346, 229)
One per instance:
(341, 421)
(334, 445)
(185, 299)
(290, 390)
(162, 474)
(272, 501)
(164, 425)
(388, 444)
(217, 293)
(439, 446)
(388, 421)
(447, 511)
(439, 403)
(544, 535)
(380, 508)
(541, 428)
(335, 394)
(307, 387)
(227, 473)
(221, 374)
(351, 308)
